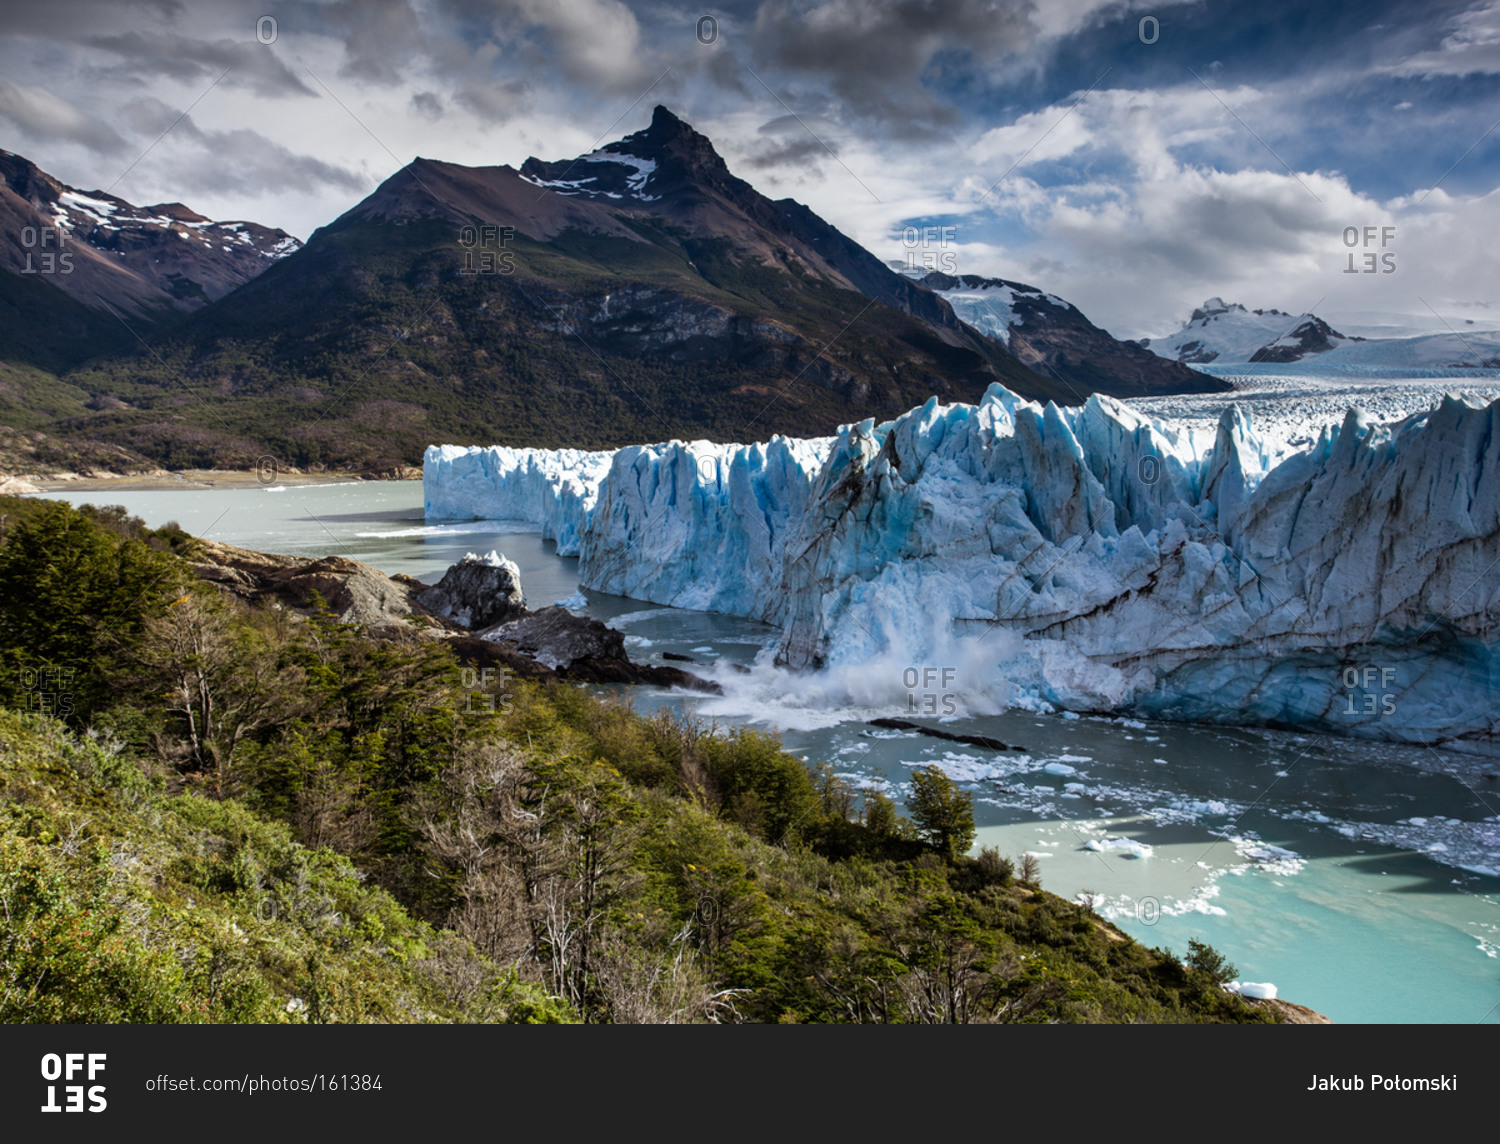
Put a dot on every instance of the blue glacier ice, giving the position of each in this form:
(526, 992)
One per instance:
(1088, 559)
(552, 488)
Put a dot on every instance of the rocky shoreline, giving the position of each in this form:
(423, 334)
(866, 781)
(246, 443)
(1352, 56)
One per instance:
(552, 642)
(167, 479)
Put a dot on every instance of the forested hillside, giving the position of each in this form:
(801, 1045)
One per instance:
(212, 812)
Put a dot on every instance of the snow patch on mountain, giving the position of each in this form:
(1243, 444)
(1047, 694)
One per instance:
(1221, 332)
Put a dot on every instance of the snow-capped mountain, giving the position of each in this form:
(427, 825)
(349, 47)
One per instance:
(142, 261)
(1223, 332)
(1052, 336)
(1227, 334)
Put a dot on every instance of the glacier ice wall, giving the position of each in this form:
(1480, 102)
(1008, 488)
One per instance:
(1108, 563)
(700, 525)
(552, 488)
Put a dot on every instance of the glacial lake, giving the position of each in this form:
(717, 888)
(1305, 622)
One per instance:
(1347, 873)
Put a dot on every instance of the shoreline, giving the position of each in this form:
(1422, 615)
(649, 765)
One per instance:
(185, 479)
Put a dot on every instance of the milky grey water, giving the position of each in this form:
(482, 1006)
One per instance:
(1359, 879)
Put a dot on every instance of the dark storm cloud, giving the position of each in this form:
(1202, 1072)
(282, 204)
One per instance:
(803, 153)
(44, 117)
(491, 100)
(69, 19)
(151, 55)
(595, 45)
(875, 54)
(246, 162)
(240, 160)
(427, 105)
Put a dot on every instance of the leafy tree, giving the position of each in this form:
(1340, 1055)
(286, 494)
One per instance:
(74, 596)
(944, 815)
(1206, 959)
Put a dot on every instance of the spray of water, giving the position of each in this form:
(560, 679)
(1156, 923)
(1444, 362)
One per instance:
(936, 675)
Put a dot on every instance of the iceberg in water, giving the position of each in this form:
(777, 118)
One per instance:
(1088, 559)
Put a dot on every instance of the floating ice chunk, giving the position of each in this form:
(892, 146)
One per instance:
(575, 601)
(1128, 846)
(1258, 990)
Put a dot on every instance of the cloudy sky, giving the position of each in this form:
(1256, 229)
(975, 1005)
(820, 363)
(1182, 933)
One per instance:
(1134, 156)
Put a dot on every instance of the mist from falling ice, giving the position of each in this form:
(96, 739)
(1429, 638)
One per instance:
(941, 677)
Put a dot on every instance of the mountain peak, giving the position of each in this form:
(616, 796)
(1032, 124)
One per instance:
(662, 119)
(667, 157)
(672, 143)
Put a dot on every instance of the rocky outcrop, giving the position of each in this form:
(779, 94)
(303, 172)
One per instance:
(553, 642)
(583, 648)
(355, 592)
(1292, 1013)
(477, 592)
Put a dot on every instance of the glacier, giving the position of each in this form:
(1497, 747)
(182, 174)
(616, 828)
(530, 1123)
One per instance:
(551, 488)
(1088, 559)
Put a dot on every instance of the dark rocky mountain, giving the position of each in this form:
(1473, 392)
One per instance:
(146, 262)
(636, 293)
(1054, 338)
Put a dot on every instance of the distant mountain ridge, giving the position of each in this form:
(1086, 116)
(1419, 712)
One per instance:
(1049, 334)
(1226, 332)
(636, 293)
(145, 261)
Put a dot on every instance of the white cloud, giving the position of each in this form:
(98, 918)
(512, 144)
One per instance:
(1471, 46)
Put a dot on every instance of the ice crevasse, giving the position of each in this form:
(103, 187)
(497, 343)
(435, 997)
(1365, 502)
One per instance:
(1088, 558)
